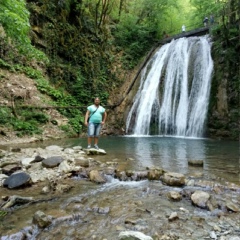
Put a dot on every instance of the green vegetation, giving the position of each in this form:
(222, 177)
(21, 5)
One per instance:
(76, 50)
(14, 18)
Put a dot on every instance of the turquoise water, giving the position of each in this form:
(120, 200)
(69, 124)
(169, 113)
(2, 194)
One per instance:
(221, 158)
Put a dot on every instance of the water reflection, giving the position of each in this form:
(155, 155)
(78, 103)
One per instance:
(220, 157)
(170, 153)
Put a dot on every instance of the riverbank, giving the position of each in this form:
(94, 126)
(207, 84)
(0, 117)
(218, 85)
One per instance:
(73, 192)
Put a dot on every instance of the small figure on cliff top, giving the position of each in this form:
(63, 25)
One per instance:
(183, 28)
(205, 21)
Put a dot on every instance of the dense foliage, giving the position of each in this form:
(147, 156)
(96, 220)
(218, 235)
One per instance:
(86, 46)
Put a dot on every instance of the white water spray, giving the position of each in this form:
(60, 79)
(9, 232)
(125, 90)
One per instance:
(174, 91)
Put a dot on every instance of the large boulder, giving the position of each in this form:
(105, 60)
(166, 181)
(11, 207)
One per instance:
(17, 180)
(200, 198)
(173, 179)
(95, 176)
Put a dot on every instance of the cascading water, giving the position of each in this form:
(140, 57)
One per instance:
(173, 95)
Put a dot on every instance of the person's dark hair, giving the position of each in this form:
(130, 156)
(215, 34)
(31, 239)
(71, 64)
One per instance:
(96, 98)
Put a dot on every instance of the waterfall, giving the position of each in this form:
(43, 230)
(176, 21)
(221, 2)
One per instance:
(173, 95)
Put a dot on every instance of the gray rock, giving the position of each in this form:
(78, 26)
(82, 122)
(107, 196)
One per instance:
(173, 179)
(95, 176)
(82, 162)
(154, 174)
(213, 235)
(61, 188)
(176, 196)
(41, 219)
(66, 166)
(93, 151)
(69, 151)
(200, 198)
(27, 161)
(17, 180)
(52, 162)
(173, 216)
(16, 236)
(232, 207)
(3, 177)
(121, 175)
(77, 148)
(46, 189)
(133, 235)
(38, 159)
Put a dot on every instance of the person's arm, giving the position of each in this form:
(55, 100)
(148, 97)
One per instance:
(86, 117)
(104, 117)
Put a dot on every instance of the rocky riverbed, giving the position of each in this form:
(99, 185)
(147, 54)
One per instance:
(66, 193)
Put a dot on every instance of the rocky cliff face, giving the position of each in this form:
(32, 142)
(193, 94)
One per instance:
(223, 121)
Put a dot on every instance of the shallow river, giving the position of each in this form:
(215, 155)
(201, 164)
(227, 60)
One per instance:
(102, 211)
(221, 158)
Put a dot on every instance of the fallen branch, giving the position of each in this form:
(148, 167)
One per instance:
(15, 199)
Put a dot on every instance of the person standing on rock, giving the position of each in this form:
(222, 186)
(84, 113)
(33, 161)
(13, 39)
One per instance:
(95, 118)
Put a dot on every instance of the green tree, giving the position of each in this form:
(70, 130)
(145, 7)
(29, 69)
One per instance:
(14, 17)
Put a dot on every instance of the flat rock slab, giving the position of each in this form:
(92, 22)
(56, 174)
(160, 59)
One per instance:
(52, 162)
(93, 151)
(17, 180)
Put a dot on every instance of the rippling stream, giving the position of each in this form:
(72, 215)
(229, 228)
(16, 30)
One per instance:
(102, 211)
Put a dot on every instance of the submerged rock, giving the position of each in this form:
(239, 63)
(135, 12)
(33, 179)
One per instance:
(195, 162)
(17, 180)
